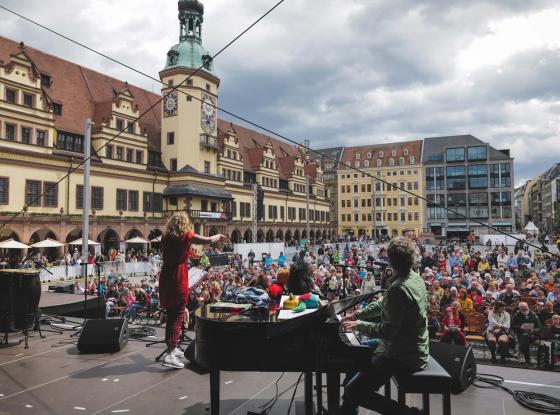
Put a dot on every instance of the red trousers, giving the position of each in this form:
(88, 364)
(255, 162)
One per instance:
(175, 316)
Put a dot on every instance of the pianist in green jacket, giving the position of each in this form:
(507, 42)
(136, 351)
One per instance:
(398, 320)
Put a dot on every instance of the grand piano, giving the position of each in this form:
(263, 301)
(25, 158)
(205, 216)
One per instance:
(256, 341)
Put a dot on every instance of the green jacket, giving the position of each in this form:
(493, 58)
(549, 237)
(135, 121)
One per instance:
(399, 320)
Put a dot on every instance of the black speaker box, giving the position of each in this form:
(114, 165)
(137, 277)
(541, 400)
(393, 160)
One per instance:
(458, 361)
(103, 336)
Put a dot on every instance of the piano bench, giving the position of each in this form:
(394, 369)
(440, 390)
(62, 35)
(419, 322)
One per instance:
(433, 380)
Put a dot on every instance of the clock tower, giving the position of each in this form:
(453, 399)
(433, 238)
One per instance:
(189, 114)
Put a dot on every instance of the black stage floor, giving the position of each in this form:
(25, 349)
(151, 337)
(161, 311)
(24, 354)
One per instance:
(52, 378)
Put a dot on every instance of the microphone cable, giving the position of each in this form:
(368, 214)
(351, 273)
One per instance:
(533, 401)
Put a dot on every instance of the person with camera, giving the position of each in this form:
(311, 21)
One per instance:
(399, 321)
(498, 331)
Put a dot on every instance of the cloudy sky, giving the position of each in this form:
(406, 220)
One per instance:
(345, 72)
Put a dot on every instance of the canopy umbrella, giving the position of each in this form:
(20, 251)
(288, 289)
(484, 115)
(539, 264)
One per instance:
(158, 239)
(47, 243)
(79, 242)
(12, 244)
(137, 240)
(531, 228)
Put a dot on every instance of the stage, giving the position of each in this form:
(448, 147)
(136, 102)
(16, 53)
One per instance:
(52, 378)
(65, 304)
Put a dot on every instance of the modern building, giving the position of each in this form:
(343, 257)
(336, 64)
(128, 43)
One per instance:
(178, 156)
(472, 178)
(329, 159)
(541, 197)
(376, 201)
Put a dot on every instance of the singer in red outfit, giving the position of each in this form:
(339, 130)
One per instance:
(174, 279)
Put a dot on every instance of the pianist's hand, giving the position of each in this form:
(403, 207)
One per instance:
(349, 325)
(350, 316)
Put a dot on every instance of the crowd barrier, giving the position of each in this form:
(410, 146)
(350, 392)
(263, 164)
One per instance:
(63, 272)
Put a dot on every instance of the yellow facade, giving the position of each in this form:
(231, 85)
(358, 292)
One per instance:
(367, 205)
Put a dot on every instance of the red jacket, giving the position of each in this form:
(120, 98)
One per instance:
(174, 277)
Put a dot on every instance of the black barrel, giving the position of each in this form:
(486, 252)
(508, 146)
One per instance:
(20, 293)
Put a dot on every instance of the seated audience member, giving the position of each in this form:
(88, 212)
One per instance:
(509, 296)
(498, 331)
(465, 302)
(452, 326)
(544, 311)
(527, 326)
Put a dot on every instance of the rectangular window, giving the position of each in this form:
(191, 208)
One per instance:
(129, 153)
(147, 201)
(133, 200)
(25, 135)
(458, 203)
(120, 124)
(456, 177)
(120, 153)
(500, 175)
(57, 109)
(50, 198)
(434, 212)
(40, 139)
(70, 142)
(139, 157)
(476, 153)
(234, 209)
(282, 212)
(33, 193)
(130, 127)
(10, 132)
(97, 198)
(109, 151)
(207, 167)
(171, 138)
(478, 176)
(403, 216)
(455, 154)
(28, 100)
(4, 190)
(501, 205)
(173, 164)
(11, 95)
(478, 205)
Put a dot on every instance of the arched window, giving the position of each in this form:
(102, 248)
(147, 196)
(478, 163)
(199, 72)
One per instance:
(357, 155)
(369, 154)
(406, 151)
(366, 163)
(401, 161)
(379, 162)
(381, 154)
(394, 153)
(391, 161)
(412, 160)
(357, 164)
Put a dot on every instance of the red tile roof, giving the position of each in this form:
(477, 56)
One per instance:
(414, 149)
(85, 93)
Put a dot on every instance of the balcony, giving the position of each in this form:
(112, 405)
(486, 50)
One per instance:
(208, 142)
(208, 215)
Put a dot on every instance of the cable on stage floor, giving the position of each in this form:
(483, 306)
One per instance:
(533, 401)
(141, 332)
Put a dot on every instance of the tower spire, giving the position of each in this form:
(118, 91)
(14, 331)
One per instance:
(191, 14)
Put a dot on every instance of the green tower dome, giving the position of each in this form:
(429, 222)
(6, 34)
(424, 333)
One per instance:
(189, 52)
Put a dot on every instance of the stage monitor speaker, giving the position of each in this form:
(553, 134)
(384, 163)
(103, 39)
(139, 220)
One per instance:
(103, 336)
(458, 361)
(63, 287)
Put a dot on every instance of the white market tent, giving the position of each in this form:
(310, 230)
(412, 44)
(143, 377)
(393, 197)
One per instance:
(12, 244)
(137, 240)
(79, 242)
(47, 243)
(531, 228)
(158, 239)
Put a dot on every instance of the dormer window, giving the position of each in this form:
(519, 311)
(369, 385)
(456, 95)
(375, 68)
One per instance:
(45, 81)
(357, 156)
(412, 160)
(393, 153)
(357, 164)
(369, 155)
(401, 161)
(381, 154)
(379, 162)
(366, 163)
(391, 161)
(406, 151)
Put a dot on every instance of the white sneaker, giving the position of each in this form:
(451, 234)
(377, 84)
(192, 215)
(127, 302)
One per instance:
(178, 353)
(172, 361)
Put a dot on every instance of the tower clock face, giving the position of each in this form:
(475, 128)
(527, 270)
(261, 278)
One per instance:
(170, 105)
(208, 114)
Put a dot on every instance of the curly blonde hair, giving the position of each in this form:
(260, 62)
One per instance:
(178, 225)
